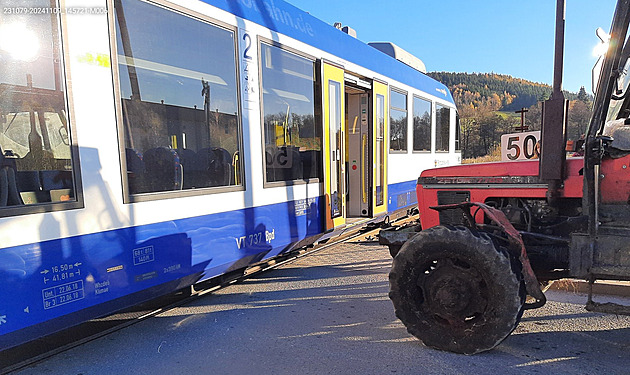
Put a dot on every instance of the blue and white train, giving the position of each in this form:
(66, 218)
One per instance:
(150, 145)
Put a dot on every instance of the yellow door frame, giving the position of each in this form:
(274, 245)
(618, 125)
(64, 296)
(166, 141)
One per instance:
(332, 73)
(380, 89)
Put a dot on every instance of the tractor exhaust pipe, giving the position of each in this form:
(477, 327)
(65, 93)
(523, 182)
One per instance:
(553, 134)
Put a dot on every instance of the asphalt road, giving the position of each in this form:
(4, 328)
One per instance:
(328, 313)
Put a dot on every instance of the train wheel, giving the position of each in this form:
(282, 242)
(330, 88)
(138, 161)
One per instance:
(456, 290)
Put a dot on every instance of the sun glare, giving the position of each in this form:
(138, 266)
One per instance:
(600, 49)
(20, 42)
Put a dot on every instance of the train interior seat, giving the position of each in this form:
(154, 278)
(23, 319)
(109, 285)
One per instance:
(42, 186)
(163, 169)
(4, 187)
(270, 171)
(9, 195)
(30, 187)
(311, 165)
(55, 179)
(135, 171)
(58, 184)
(216, 164)
(223, 162)
(191, 170)
(296, 171)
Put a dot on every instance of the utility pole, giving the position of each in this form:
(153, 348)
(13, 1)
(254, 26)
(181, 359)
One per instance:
(522, 128)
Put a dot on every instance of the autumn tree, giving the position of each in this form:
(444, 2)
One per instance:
(579, 116)
(480, 96)
(582, 95)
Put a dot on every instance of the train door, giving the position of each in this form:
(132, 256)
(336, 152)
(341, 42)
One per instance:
(334, 154)
(379, 145)
(358, 148)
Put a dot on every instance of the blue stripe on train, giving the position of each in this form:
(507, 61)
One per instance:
(401, 195)
(43, 281)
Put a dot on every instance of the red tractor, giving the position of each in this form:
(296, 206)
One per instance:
(493, 233)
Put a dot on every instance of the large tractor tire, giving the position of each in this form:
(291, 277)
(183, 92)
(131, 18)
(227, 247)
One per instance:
(456, 290)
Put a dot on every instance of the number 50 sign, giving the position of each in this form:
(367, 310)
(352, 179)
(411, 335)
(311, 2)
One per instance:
(520, 146)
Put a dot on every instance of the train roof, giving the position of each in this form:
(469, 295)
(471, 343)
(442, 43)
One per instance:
(284, 18)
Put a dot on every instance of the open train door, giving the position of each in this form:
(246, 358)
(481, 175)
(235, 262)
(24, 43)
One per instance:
(334, 153)
(379, 146)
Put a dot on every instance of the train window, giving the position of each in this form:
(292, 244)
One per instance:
(457, 132)
(398, 121)
(36, 158)
(178, 89)
(293, 140)
(442, 121)
(421, 124)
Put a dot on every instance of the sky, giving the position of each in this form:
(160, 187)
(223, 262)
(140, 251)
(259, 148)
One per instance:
(479, 36)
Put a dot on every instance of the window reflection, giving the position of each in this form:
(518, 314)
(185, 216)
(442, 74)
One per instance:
(398, 121)
(458, 146)
(179, 100)
(292, 138)
(442, 122)
(421, 125)
(35, 153)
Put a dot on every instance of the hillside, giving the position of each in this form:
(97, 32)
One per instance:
(513, 93)
(486, 103)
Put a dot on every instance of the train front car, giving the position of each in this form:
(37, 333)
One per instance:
(149, 145)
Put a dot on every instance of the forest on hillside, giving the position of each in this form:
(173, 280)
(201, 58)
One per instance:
(487, 102)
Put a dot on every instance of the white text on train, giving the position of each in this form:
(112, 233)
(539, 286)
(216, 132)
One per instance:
(255, 238)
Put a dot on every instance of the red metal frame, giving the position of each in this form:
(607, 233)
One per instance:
(615, 181)
(515, 179)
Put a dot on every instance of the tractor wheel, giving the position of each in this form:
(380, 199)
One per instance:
(456, 290)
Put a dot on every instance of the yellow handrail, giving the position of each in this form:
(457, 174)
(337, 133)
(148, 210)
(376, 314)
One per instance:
(235, 163)
(363, 168)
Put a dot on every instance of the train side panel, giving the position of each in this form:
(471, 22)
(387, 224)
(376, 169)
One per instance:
(91, 235)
